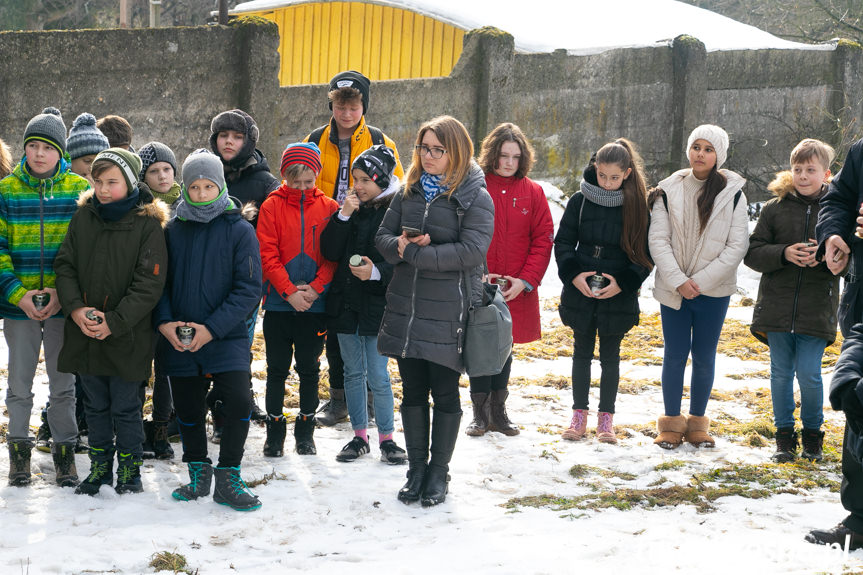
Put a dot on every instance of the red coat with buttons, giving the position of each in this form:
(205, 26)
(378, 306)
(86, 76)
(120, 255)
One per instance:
(521, 246)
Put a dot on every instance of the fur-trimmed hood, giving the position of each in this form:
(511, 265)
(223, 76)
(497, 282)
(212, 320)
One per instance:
(149, 206)
(783, 185)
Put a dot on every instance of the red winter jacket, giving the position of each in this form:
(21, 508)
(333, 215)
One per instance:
(521, 246)
(289, 230)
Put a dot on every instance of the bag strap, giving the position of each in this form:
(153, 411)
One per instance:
(316, 135)
(376, 134)
(665, 202)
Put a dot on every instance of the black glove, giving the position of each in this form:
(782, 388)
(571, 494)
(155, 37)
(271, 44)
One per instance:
(853, 409)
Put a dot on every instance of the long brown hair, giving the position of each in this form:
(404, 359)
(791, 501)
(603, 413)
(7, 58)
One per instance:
(712, 187)
(459, 149)
(489, 154)
(633, 241)
(5, 160)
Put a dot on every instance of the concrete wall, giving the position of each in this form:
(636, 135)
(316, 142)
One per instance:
(170, 82)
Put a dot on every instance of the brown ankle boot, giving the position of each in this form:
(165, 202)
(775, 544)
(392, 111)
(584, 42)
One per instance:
(499, 419)
(696, 432)
(481, 414)
(671, 430)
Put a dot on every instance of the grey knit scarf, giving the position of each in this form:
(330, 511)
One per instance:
(601, 196)
(203, 212)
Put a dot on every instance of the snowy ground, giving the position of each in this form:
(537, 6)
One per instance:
(319, 515)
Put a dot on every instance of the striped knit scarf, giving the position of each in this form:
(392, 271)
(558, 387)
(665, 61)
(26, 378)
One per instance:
(432, 186)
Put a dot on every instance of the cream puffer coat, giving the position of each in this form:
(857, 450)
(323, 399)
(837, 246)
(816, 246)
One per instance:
(720, 247)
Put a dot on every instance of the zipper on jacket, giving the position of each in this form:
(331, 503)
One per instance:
(414, 286)
(461, 310)
(800, 272)
(41, 237)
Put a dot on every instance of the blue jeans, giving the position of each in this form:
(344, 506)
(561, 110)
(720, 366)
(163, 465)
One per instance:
(362, 361)
(790, 353)
(694, 327)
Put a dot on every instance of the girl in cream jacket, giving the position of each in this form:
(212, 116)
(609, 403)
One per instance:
(698, 237)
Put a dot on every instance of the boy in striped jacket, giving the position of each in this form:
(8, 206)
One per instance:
(37, 201)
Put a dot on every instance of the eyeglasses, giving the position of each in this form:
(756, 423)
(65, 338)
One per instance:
(435, 153)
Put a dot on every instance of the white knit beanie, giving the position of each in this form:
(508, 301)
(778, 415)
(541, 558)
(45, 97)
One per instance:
(717, 137)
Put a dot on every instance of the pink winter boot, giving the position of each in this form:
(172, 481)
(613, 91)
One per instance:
(605, 428)
(578, 425)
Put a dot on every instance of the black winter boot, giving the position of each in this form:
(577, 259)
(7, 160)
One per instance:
(499, 419)
(415, 420)
(101, 463)
(19, 462)
(200, 482)
(43, 435)
(444, 434)
(161, 446)
(232, 491)
(128, 474)
(64, 464)
(333, 411)
(786, 445)
(813, 440)
(304, 434)
(481, 414)
(274, 446)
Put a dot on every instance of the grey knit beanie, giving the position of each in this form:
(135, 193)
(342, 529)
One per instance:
(153, 152)
(85, 138)
(49, 128)
(717, 137)
(128, 162)
(203, 164)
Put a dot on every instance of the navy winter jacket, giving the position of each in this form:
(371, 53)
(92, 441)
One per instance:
(214, 278)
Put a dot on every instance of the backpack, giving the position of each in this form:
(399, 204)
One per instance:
(376, 134)
(733, 207)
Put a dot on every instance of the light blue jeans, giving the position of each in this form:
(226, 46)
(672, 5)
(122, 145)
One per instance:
(362, 361)
(790, 353)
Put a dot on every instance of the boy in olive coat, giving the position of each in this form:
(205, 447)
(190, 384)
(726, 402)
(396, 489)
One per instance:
(797, 298)
(110, 275)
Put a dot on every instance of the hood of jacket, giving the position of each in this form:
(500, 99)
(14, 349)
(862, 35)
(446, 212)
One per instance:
(294, 196)
(147, 207)
(782, 186)
(237, 167)
(22, 173)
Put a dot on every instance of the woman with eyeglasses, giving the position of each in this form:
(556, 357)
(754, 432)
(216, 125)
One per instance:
(436, 233)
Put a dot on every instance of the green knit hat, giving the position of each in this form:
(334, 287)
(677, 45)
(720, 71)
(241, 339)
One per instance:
(128, 162)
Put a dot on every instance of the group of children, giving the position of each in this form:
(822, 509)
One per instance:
(99, 245)
(118, 247)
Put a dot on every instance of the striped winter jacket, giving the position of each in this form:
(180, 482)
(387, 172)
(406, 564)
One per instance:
(34, 217)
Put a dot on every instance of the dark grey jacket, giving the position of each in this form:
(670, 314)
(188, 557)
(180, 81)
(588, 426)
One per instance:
(431, 289)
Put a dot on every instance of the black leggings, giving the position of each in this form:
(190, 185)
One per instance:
(289, 334)
(609, 362)
(232, 389)
(419, 377)
(489, 383)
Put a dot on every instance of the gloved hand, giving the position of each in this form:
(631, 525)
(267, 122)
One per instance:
(853, 409)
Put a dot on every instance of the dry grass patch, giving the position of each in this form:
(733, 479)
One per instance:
(170, 561)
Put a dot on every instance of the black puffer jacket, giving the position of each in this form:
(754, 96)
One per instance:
(588, 239)
(251, 182)
(791, 299)
(429, 294)
(849, 374)
(838, 216)
(354, 304)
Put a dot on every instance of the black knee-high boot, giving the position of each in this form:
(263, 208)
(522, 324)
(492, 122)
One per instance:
(444, 434)
(415, 420)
